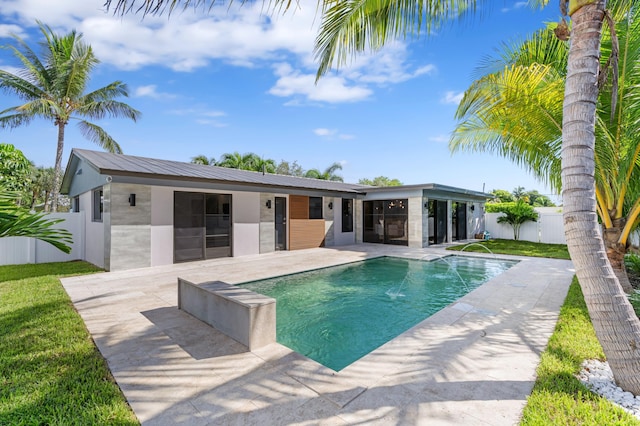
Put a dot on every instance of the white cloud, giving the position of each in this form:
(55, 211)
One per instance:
(8, 30)
(386, 66)
(332, 134)
(10, 69)
(150, 91)
(517, 5)
(324, 132)
(452, 97)
(240, 35)
(202, 116)
(331, 89)
(439, 138)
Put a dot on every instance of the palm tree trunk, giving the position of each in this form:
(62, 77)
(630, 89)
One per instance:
(616, 325)
(57, 170)
(616, 252)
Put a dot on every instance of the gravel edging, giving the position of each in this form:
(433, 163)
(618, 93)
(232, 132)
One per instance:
(597, 376)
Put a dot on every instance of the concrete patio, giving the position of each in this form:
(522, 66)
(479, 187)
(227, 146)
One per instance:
(471, 363)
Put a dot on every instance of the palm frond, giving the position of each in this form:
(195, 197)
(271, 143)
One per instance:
(100, 109)
(17, 222)
(352, 26)
(99, 136)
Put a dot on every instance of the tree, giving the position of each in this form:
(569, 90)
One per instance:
(288, 168)
(14, 168)
(380, 181)
(515, 214)
(40, 187)
(53, 87)
(351, 27)
(204, 160)
(502, 196)
(519, 193)
(248, 161)
(18, 222)
(515, 110)
(328, 174)
(615, 322)
(538, 200)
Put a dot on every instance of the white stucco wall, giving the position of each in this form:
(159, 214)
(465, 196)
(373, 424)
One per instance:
(246, 223)
(93, 231)
(161, 225)
(342, 238)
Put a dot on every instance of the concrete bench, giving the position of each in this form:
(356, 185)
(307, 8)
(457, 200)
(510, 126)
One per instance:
(243, 315)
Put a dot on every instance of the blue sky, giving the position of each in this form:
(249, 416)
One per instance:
(236, 80)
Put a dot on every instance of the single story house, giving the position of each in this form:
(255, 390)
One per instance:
(143, 212)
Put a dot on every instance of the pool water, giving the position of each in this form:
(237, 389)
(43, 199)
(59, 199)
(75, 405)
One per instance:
(337, 315)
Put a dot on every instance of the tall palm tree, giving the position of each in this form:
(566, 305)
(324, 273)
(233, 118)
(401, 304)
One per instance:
(349, 27)
(53, 87)
(328, 174)
(516, 112)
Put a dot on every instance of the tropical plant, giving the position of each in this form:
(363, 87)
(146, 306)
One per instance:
(351, 27)
(289, 168)
(248, 161)
(515, 110)
(53, 87)
(40, 187)
(18, 222)
(204, 160)
(14, 168)
(515, 215)
(501, 196)
(380, 181)
(328, 174)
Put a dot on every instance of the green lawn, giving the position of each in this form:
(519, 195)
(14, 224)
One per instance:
(50, 371)
(519, 248)
(558, 397)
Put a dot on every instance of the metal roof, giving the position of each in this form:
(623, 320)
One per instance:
(119, 164)
(128, 165)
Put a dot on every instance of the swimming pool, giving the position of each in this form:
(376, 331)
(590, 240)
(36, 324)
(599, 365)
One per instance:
(337, 315)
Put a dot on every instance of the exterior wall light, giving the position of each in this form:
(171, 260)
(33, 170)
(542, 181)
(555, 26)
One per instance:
(268, 204)
(132, 200)
(330, 205)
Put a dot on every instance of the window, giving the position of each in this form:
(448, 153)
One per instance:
(347, 215)
(75, 207)
(386, 222)
(315, 207)
(98, 201)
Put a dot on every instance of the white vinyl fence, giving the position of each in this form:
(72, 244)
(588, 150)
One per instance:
(548, 229)
(21, 250)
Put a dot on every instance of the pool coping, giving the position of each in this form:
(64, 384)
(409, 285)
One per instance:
(472, 361)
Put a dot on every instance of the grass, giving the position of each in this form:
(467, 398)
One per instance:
(50, 371)
(558, 397)
(519, 248)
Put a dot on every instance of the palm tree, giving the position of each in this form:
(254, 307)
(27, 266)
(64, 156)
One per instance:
(235, 160)
(516, 215)
(19, 222)
(248, 161)
(204, 160)
(328, 174)
(516, 112)
(53, 87)
(351, 27)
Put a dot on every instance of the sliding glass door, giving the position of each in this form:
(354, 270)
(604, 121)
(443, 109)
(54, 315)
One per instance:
(201, 226)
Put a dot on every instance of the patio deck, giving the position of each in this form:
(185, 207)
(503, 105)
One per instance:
(471, 363)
